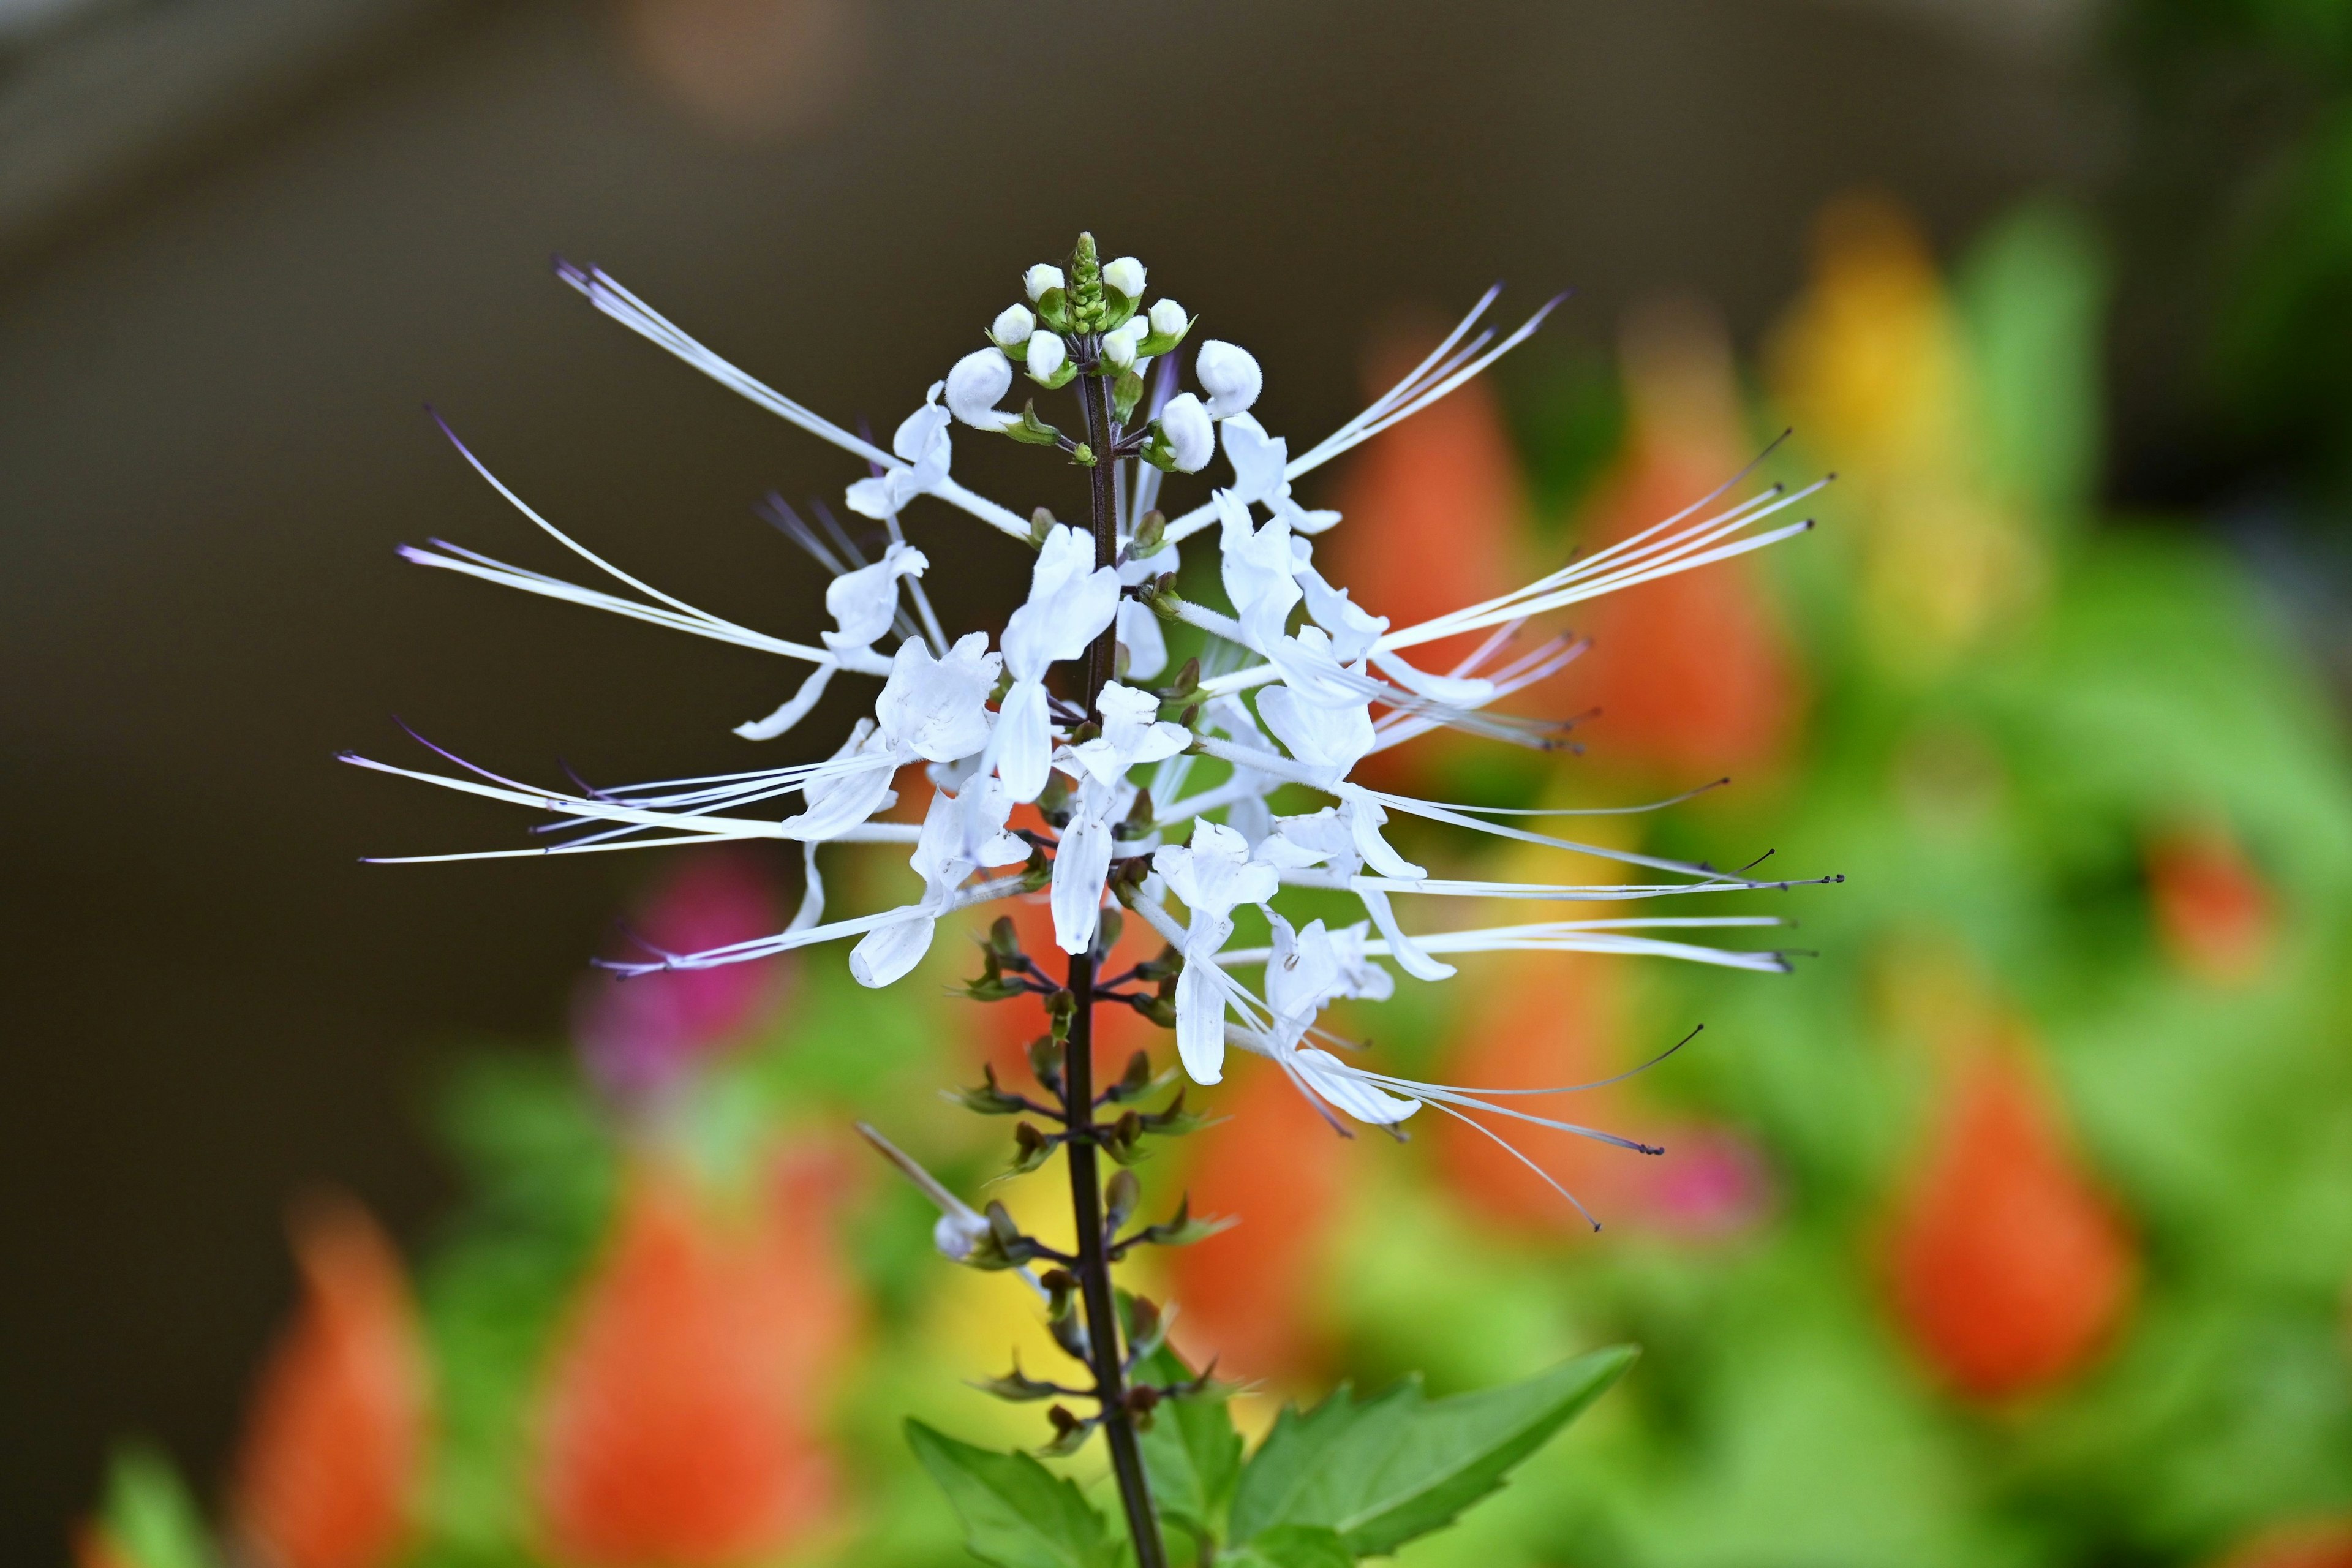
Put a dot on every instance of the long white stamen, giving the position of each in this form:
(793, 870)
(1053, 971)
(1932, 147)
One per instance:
(634, 313)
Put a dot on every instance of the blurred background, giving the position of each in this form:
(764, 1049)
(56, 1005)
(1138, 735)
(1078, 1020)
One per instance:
(351, 1222)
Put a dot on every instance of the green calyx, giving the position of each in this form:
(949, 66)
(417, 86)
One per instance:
(1086, 300)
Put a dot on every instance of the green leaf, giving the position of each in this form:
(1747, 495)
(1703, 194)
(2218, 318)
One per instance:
(1291, 1546)
(1017, 1513)
(1382, 1470)
(1190, 1452)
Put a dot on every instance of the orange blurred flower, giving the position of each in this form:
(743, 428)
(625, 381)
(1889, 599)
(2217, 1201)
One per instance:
(2307, 1543)
(1692, 674)
(2009, 1267)
(2214, 914)
(328, 1473)
(1545, 1019)
(679, 1422)
(2312, 1543)
(1248, 1298)
(1539, 1019)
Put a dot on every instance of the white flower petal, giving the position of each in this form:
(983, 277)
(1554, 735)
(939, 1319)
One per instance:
(1231, 375)
(888, 954)
(1081, 866)
(1139, 633)
(1021, 746)
(979, 381)
(1192, 438)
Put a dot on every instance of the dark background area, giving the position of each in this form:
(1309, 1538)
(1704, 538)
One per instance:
(212, 356)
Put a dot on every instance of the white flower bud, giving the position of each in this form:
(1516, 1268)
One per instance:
(1046, 353)
(1013, 325)
(1192, 439)
(1229, 376)
(1118, 344)
(1126, 275)
(1039, 279)
(956, 1236)
(1167, 319)
(974, 386)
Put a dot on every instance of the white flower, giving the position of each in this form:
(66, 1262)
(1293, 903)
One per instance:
(840, 800)
(1138, 623)
(1167, 319)
(1013, 325)
(938, 709)
(1330, 739)
(1192, 439)
(864, 602)
(1118, 344)
(1259, 569)
(1041, 279)
(1260, 473)
(1215, 876)
(1230, 375)
(1047, 355)
(921, 440)
(1133, 734)
(961, 833)
(955, 1234)
(977, 381)
(1081, 866)
(1070, 604)
(1126, 275)
(1353, 630)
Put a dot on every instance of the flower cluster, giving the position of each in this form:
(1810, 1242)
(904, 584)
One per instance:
(1151, 792)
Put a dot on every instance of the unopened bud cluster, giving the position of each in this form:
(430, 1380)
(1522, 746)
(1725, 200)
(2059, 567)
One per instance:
(1090, 319)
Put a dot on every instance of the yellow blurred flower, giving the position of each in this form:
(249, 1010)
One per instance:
(1871, 365)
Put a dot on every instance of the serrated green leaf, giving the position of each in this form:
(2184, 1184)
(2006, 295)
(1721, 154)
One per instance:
(1191, 1451)
(1382, 1470)
(1016, 1514)
(1291, 1546)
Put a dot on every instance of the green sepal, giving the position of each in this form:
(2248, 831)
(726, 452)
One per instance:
(1059, 379)
(1154, 344)
(1118, 309)
(1016, 1514)
(1032, 431)
(1180, 1229)
(1150, 539)
(1139, 1079)
(1017, 1387)
(1125, 393)
(987, 1098)
(1383, 1470)
(1173, 1120)
(1053, 310)
(1031, 1149)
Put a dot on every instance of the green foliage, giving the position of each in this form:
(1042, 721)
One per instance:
(1381, 1471)
(1016, 1514)
(1191, 1451)
(149, 1515)
(1349, 1478)
(2032, 294)
(1292, 1546)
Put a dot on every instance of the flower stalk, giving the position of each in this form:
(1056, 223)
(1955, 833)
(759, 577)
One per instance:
(1077, 1052)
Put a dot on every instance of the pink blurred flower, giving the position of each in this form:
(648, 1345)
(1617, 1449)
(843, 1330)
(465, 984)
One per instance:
(638, 1035)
